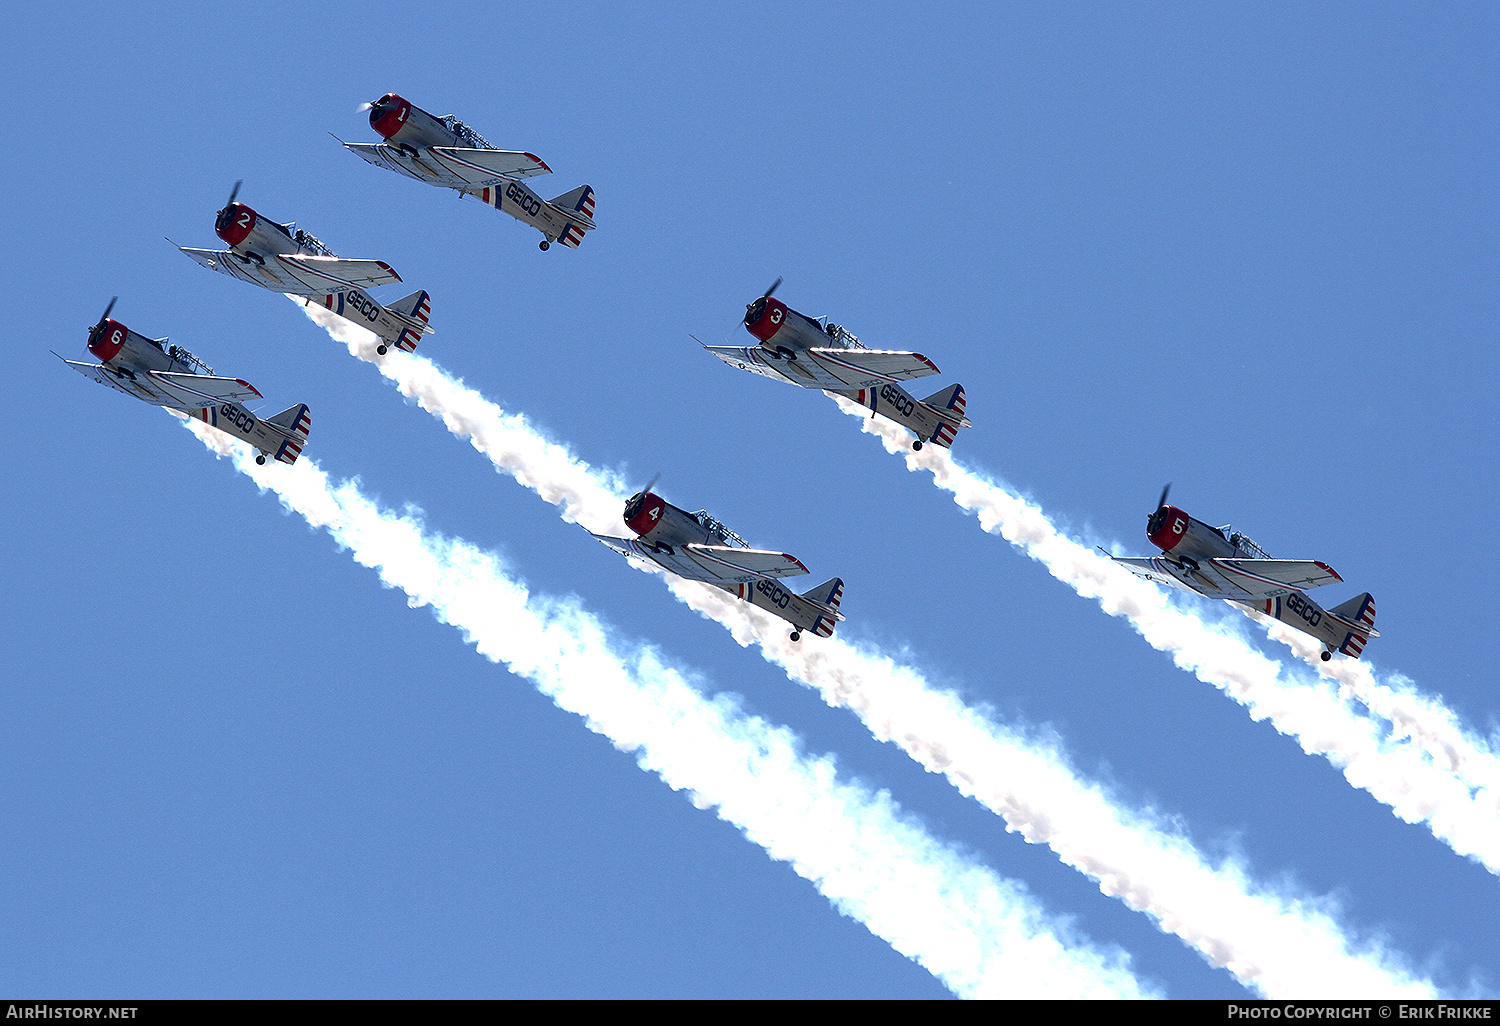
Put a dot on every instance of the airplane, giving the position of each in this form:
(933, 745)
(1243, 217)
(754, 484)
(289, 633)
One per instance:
(821, 354)
(170, 376)
(1218, 563)
(446, 152)
(287, 259)
(699, 548)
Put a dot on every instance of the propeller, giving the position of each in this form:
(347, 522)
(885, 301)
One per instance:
(234, 192)
(364, 107)
(1159, 515)
(635, 502)
(757, 306)
(649, 485)
(96, 329)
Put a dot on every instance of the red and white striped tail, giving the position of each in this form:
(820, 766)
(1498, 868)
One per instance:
(292, 448)
(953, 401)
(825, 625)
(1356, 642)
(1359, 613)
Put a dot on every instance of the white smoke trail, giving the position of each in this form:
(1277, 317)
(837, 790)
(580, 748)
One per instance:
(1282, 947)
(979, 934)
(1421, 719)
(1417, 780)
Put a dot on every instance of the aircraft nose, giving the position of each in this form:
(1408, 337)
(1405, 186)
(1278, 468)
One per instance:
(644, 515)
(107, 339)
(388, 114)
(234, 223)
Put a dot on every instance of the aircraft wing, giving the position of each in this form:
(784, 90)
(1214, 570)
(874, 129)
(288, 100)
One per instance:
(482, 168)
(298, 275)
(195, 391)
(711, 564)
(375, 153)
(1270, 578)
(124, 384)
(1151, 569)
(757, 361)
(186, 392)
(318, 275)
(866, 368)
(726, 564)
(833, 369)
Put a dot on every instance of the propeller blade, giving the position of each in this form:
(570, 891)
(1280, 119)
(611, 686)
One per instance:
(1163, 500)
(364, 107)
(767, 294)
(649, 485)
(235, 191)
(105, 315)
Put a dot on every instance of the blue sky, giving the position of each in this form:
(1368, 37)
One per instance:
(1249, 251)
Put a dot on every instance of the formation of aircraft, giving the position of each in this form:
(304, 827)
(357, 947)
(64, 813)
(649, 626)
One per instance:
(289, 260)
(167, 375)
(697, 547)
(790, 346)
(820, 354)
(446, 152)
(1224, 564)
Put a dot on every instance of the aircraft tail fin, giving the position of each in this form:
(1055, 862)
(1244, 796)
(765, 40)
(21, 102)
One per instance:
(292, 424)
(826, 596)
(948, 403)
(410, 316)
(578, 205)
(415, 307)
(1360, 613)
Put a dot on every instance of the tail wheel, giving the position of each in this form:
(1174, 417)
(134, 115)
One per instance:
(260, 458)
(917, 445)
(1327, 655)
(381, 349)
(796, 635)
(546, 245)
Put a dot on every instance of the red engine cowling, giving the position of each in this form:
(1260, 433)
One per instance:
(107, 339)
(1168, 526)
(646, 516)
(234, 223)
(388, 114)
(765, 317)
